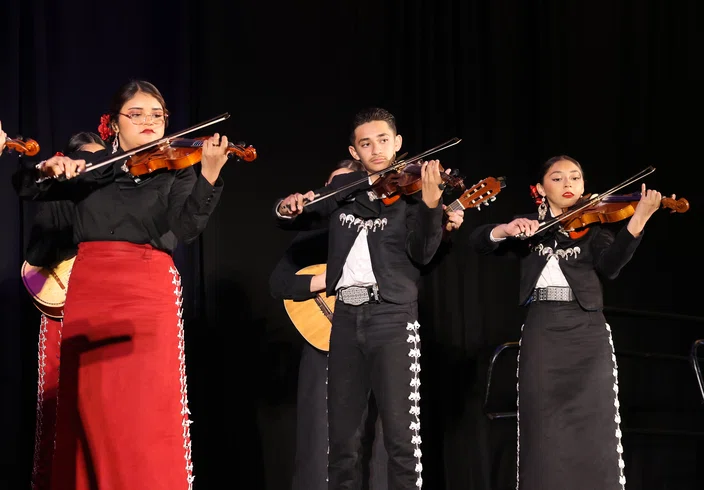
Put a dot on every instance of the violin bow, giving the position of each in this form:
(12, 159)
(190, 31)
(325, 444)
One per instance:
(146, 146)
(557, 219)
(396, 165)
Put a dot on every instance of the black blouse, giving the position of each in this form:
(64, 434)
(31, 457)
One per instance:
(166, 207)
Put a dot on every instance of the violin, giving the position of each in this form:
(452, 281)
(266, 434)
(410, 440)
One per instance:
(27, 147)
(575, 220)
(172, 160)
(407, 181)
(180, 153)
(390, 190)
(614, 208)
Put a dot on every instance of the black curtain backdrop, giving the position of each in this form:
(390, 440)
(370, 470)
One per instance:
(616, 85)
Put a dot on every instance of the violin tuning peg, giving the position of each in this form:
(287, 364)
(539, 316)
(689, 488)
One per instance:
(492, 199)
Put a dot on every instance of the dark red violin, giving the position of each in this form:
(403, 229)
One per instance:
(407, 180)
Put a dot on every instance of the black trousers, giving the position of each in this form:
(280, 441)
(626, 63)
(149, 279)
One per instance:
(311, 464)
(374, 348)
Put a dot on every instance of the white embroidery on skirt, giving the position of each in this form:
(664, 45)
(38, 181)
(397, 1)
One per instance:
(617, 417)
(327, 420)
(185, 412)
(414, 353)
(41, 371)
(518, 412)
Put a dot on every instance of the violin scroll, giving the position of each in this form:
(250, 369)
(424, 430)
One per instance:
(27, 147)
(680, 205)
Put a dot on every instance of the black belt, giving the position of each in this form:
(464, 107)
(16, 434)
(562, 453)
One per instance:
(359, 295)
(552, 293)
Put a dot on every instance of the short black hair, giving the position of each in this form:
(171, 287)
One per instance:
(372, 114)
(83, 138)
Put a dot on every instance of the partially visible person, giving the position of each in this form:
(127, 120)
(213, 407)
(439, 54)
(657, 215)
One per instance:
(3, 138)
(51, 242)
(308, 248)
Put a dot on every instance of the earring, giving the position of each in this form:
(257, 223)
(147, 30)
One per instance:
(542, 210)
(115, 144)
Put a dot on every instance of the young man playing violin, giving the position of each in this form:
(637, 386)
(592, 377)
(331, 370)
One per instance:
(310, 472)
(569, 434)
(123, 416)
(374, 255)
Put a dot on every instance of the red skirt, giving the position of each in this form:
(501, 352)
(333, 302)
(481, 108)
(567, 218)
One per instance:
(122, 419)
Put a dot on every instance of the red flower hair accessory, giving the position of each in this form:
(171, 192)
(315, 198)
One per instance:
(105, 129)
(536, 195)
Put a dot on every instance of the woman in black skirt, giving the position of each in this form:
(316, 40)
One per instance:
(569, 434)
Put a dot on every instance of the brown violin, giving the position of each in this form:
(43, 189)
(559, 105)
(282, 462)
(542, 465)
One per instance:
(394, 182)
(180, 153)
(406, 181)
(166, 152)
(605, 208)
(614, 208)
(27, 147)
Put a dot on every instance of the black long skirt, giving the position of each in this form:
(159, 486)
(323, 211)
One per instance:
(569, 434)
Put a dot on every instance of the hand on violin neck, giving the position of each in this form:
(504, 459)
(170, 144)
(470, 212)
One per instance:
(57, 166)
(214, 157)
(432, 183)
(650, 201)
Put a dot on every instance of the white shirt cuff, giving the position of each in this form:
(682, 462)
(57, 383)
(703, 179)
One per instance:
(491, 237)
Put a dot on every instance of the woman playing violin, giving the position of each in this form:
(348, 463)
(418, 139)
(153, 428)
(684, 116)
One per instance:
(568, 411)
(123, 417)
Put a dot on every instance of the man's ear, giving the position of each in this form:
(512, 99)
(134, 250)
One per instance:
(353, 152)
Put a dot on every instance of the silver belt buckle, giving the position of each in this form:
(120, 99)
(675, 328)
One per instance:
(358, 295)
(558, 294)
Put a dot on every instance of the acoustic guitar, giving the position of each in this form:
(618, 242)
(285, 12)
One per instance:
(47, 286)
(313, 317)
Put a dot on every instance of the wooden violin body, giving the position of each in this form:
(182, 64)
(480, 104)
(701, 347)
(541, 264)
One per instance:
(614, 208)
(407, 180)
(178, 154)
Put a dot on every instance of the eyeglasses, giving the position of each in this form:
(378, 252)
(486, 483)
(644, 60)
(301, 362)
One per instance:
(140, 119)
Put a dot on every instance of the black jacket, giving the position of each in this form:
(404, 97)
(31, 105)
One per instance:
(585, 262)
(402, 237)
